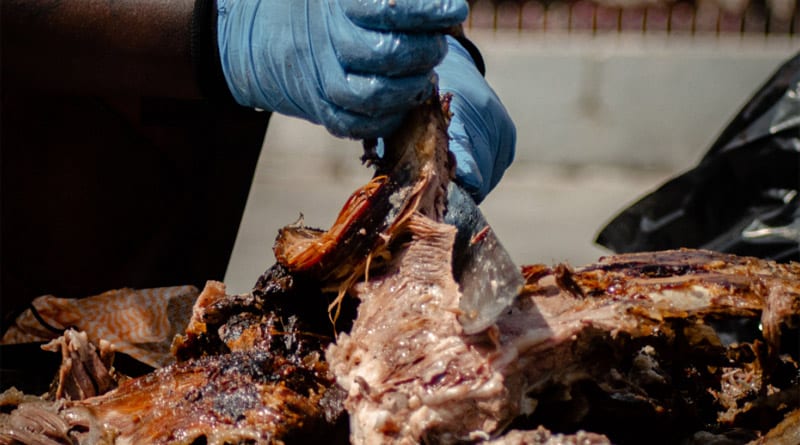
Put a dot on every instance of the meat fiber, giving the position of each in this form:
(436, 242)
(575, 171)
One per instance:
(85, 369)
(409, 374)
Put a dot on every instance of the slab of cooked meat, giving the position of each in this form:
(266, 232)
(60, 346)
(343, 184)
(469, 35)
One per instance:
(581, 355)
(626, 340)
(247, 375)
(630, 334)
(637, 337)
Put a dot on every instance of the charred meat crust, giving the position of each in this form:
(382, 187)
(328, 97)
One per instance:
(251, 395)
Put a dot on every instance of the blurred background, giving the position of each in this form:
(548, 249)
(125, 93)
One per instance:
(610, 100)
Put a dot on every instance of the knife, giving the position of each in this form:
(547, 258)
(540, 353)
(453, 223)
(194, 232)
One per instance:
(488, 279)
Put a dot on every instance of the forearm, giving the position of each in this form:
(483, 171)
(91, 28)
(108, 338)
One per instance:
(140, 47)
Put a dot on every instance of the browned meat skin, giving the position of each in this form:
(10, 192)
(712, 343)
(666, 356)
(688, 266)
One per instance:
(268, 384)
(200, 339)
(233, 398)
(242, 397)
(248, 376)
(633, 326)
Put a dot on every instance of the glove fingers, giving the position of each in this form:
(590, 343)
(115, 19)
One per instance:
(482, 144)
(406, 15)
(482, 134)
(389, 53)
(377, 95)
(470, 170)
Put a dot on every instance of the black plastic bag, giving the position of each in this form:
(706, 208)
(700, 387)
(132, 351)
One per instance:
(744, 195)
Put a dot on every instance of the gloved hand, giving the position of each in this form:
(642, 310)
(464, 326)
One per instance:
(482, 135)
(354, 66)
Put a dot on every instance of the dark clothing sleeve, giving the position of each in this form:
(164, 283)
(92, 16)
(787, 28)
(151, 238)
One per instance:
(100, 193)
(116, 170)
(205, 54)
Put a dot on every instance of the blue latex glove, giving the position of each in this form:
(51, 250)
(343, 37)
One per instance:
(354, 66)
(482, 135)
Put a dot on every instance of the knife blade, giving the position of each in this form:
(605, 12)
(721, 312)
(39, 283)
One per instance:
(487, 276)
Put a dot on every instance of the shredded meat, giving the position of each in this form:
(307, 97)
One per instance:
(409, 373)
(85, 370)
(593, 355)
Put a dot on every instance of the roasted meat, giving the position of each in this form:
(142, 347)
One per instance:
(628, 338)
(636, 336)
(247, 375)
(598, 354)
(241, 397)
(409, 373)
(232, 398)
(633, 334)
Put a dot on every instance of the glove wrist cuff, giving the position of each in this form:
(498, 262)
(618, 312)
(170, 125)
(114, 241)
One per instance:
(205, 53)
